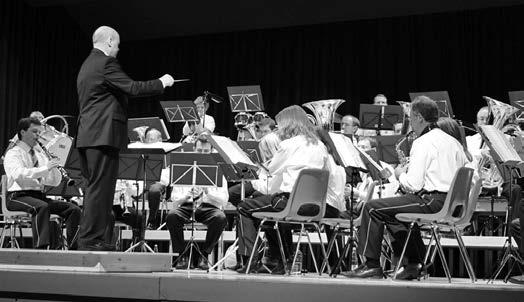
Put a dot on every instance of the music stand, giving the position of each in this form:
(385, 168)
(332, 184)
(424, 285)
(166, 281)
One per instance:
(245, 98)
(505, 157)
(251, 148)
(151, 122)
(379, 117)
(179, 111)
(386, 148)
(141, 165)
(516, 99)
(441, 98)
(237, 166)
(198, 170)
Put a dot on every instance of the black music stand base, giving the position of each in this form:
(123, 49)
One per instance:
(192, 244)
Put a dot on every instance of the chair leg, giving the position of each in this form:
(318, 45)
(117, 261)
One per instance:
(282, 253)
(441, 253)
(254, 247)
(331, 243)
(465, 256)
(295, 255)
(322, 247)
(2, 237)
(319, 272)
(411, 225)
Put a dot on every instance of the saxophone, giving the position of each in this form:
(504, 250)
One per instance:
(404, 144)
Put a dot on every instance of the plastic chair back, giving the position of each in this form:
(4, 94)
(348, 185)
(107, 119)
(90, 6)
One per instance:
(307, 201)
(471, 204)
(5, 212)
(455, 205)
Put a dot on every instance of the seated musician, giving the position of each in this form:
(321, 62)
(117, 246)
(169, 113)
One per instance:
(388, 189)
(300, 149)
(478, 151)
(206, 122)
(435, 157)
(517, 232)
(264, 127)
(380, 100)
(349, 127)
(209, 203)
(28, 170)
(123, 209)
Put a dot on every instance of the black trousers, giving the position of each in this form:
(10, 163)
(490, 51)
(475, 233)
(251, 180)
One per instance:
(378, 213)
(100, 168)
(40, 207)
(235, 196)
(211, 216)
(517, 216)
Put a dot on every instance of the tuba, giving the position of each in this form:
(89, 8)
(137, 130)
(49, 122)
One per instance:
(324, 111)
(488, 170)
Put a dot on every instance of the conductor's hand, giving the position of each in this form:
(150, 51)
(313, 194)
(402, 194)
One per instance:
(167, 80)
(53, 163)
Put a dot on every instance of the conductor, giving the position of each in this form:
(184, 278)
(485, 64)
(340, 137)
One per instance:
(103, 90)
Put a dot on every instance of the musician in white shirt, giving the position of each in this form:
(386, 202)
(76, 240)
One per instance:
(435, 157)
(209, 203)
(206, 122)
(300, 149)
(474, 142)
(28, 170)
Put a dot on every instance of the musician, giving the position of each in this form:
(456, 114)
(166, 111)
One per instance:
(380, 100)
(103, 90)
(209, 203)
(435, 158)
(349, 127)
(28, 170)
(206, 122)
(123, 209)
(388, 189)
(264, 127)
(300, 149)
(474, 142)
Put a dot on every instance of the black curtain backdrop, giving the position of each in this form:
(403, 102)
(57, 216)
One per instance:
(470, 54)
(40, 53)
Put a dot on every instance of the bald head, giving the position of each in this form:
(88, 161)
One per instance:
(106, 39)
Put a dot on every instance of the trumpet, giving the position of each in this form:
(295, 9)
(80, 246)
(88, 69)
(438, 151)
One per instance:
(65, 176)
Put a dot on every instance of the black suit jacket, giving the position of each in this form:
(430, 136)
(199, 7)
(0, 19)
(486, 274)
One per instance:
(103, 89)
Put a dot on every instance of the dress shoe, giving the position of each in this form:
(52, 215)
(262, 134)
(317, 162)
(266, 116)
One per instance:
(363, 271)
(100, 246)
(203, 264)
(253, 269)
(410, 271)
(182, 263)
(517, 279)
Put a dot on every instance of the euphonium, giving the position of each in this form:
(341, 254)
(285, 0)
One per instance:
(65, 176)
(487, 168)
(324, 111)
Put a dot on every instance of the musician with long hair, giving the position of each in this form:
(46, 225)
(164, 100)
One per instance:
(300, 149)
(28, 170)
(435, 157)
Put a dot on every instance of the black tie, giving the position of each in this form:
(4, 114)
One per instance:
(33, 157)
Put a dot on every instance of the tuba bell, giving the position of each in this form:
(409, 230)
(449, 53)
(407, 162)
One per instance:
(488, 169)
(324, 111)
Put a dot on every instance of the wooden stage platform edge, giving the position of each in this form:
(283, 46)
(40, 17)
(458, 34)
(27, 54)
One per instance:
(229, 286)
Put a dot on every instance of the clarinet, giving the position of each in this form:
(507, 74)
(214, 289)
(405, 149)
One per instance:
(65, 176)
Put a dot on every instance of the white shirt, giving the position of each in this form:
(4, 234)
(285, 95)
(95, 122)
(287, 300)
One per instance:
(22, 175)
(336, 184)
(208, 122)
(435, 158)
(294, 155)
(474, 142)
(217, 196)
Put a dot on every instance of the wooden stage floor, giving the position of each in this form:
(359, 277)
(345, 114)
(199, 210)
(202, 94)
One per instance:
(43, 284)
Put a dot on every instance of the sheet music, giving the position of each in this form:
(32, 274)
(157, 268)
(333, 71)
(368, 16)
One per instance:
(167, 147)
(347, 151)
(232, 150)
(500, 144)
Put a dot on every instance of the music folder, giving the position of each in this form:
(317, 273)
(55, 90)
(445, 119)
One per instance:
(235, 163)
(501, 149)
